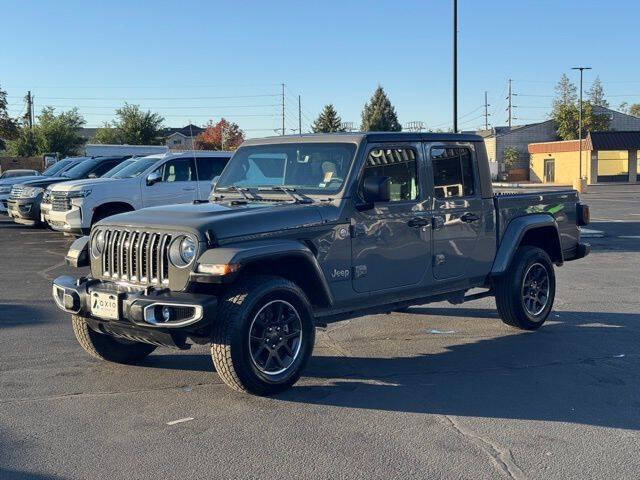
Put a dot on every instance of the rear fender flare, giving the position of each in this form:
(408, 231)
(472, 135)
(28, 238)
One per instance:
(515, 233)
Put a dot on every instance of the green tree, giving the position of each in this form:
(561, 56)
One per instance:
(24, 145)
(133, 127)
(596, 94)
(379, 115)
(511, 157)
(328, 121)
(566, 92)
(59, 132)
(567, 117)
(9, 127)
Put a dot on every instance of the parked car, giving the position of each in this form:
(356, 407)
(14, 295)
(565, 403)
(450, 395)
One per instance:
(24, 202)
(45, 204)
(6, 184)
(307, 230)
(14, 173)
(148, 181)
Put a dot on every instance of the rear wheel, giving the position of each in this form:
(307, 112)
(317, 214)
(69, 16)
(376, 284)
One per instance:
(525, 294)
(106, 347)
(263, 335)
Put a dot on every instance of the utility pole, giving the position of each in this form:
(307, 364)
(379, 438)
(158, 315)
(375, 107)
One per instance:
(299, 115)
(582, 69)
(486, 112)
(283, 132)
(455, 66)
(510, 107)
(30, 109)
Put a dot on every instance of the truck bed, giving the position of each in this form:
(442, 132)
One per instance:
(561, 204)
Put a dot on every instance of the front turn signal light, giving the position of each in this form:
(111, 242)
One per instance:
(217, 269)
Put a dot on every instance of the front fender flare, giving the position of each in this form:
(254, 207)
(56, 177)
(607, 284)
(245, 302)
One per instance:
(513, 235)
(245, 253)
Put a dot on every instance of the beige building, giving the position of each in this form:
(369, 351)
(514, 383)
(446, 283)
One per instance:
(607, 157)
(182, 138)
(498, 139)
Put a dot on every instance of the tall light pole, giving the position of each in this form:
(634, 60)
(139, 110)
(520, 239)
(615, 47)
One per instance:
(582, 69)
(455, 66)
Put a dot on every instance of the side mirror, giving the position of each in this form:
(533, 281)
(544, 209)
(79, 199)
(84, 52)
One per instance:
(376, 189)
(92, 175)
(153, 178)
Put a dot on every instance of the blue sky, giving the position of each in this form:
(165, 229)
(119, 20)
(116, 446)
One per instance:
(198, 60)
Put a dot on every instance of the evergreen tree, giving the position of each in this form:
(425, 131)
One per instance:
(379, 115)
(9, 128)
(328, 121)
(596, 94)
(566, 92)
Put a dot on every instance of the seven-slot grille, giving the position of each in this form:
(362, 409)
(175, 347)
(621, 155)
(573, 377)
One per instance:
(16, 191)
(59, 202)
(136, 257)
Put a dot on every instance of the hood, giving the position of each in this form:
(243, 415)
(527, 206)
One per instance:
(43, 181)
(14, 180)
(79, 184)
(224, 220)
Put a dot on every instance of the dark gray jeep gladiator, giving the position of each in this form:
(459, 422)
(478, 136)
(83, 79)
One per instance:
(301, 231)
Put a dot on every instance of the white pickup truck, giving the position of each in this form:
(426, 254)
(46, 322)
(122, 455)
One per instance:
(73, 207)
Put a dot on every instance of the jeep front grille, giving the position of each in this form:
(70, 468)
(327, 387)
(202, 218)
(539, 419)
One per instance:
(136, 257)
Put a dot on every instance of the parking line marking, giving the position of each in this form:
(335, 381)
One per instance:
(180, 420)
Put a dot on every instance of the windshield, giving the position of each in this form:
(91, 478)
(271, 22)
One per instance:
(117, 168)
(18, 173)
(316, 168)
(80, 170)
(136, 167)
(56, 167)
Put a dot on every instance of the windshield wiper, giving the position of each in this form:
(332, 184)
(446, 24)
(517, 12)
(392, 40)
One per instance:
(233, 188)
(290, 191)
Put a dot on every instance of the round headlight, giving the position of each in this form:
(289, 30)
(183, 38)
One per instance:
(187, 249)
(98, 243)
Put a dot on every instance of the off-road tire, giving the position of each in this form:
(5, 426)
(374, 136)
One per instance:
(106, 347)
(509, 287)
(230, 349)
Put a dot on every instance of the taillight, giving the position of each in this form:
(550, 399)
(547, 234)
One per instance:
(583, 216)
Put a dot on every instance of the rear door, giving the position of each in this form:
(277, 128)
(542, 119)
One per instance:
(178, 184)
(457, 210)
(207, 169)
(391, 242)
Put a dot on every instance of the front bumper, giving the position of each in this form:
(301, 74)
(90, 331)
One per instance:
(139, 311)
(66, 221)
(24, 210)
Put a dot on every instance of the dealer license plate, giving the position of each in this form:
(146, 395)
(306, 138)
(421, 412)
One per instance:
(105, 305)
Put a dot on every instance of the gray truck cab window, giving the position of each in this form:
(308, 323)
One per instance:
(400, 165)
(452, 172)
(210, 167)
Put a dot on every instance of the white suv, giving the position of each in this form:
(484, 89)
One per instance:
(146, 182)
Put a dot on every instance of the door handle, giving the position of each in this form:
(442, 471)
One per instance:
(469, 217)
(189, 189)
(418, 222)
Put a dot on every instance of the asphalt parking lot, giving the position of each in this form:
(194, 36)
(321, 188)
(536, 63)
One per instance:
(441, 391)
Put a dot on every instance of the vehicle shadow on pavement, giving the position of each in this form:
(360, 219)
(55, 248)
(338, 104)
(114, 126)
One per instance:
(576, 369)
(19, 315)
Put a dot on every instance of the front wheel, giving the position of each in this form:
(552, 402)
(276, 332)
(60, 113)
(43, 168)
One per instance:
(525, 294)
(263, 335)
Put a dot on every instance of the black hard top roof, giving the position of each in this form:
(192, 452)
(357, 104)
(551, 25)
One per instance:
(371, 137)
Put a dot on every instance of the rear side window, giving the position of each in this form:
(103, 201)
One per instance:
(210, 167)
(399, 164)
(104, 167)
(452, 172)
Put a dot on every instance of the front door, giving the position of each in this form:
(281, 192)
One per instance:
(178, 184)
(457, 213)
(549, 170)
(391, 241)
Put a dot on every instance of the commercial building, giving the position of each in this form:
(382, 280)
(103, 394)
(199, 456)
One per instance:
(606, 157)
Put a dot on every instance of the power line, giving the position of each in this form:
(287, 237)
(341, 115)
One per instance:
(158, 98)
